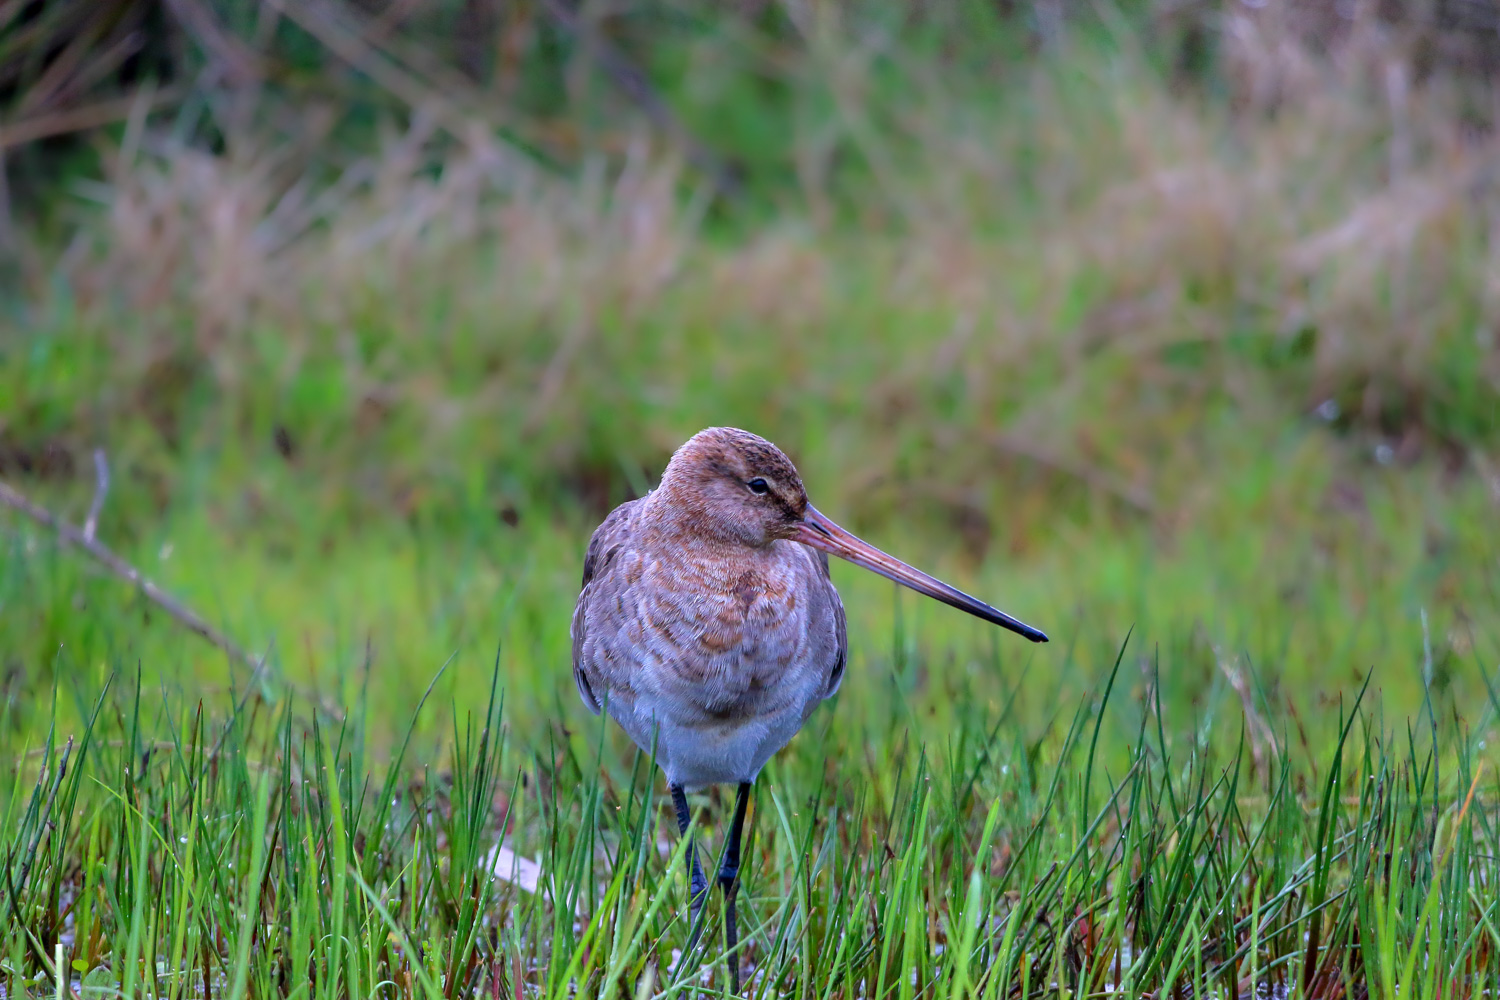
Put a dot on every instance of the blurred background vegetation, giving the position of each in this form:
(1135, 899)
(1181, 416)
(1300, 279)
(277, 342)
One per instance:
(1174, 314)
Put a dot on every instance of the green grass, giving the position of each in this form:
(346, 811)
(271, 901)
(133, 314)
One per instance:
(1076, 847)
(1203, 363)
(970, 814)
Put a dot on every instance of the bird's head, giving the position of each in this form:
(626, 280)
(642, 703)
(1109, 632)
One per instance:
(736, 486)
(738, 489)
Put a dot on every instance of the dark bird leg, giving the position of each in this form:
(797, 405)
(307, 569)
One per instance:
(697, 884)
(729, 881)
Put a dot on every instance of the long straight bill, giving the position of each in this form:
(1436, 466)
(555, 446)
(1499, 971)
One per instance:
(819, 532)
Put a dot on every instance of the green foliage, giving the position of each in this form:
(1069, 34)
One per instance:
(1198, 346)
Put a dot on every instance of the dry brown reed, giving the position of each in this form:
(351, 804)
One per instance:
(1327, 236)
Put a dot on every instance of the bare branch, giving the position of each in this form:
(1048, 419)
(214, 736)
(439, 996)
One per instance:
(184, 615)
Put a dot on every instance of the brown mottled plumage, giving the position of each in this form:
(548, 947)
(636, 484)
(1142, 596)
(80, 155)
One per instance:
(715, 627)
(708, 621)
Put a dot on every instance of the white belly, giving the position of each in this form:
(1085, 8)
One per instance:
(698, 755)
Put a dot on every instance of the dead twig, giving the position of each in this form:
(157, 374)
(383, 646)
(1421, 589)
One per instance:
(77, 119)
(84, 539)
(1262, 736)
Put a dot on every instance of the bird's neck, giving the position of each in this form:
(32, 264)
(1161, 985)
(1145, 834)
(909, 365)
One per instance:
(679, 518)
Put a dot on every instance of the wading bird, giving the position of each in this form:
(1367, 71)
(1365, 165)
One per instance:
(708, 621)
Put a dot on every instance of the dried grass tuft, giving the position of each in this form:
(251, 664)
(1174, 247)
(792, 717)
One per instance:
(1328, 233)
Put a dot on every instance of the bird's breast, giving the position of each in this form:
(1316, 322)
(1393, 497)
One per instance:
(721, 610)
(727, 635)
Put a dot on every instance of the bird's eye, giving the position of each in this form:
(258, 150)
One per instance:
(758, 486)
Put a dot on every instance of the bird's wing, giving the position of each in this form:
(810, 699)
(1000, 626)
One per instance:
(604, 545)
(840, 624)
